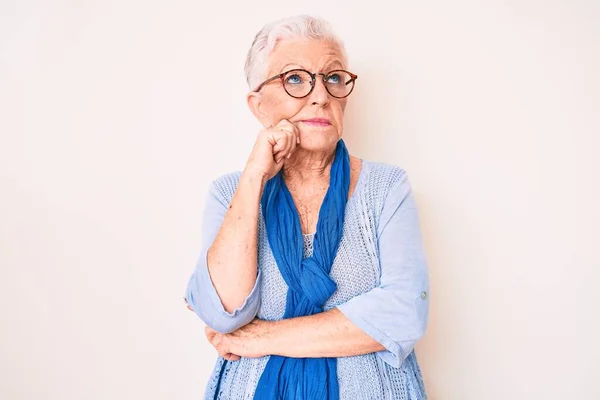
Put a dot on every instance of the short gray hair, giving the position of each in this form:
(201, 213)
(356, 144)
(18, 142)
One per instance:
(301, 26)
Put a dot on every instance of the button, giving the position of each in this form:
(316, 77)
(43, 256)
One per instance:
(424, 295)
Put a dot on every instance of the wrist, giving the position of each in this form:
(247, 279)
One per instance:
(270, 338)
(255, 175)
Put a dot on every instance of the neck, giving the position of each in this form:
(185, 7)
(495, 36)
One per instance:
(308, 166)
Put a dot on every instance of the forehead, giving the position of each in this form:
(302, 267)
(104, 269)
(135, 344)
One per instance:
(314, 55)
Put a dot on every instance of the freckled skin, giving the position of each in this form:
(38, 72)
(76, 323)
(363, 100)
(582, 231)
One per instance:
(306, 172)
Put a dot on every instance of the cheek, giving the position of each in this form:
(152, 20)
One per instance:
(280, 107)
(339, 113)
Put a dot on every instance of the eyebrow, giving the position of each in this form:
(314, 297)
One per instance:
(328, 67)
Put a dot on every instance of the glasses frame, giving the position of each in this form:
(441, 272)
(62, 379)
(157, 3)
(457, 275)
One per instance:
(353, 78)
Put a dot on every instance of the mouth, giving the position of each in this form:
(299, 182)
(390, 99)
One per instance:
(317, 122)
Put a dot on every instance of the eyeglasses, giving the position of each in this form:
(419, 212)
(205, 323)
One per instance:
(300, 83)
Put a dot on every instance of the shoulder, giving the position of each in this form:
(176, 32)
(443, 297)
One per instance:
(382, 178)
(386, 187)
(225, 185)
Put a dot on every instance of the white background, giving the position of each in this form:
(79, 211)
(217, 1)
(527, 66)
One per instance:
(116, 115)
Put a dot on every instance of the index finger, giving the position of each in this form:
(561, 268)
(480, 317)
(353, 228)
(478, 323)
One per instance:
(286, 123)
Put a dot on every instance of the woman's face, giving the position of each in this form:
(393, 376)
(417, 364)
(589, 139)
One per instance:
(272, 103)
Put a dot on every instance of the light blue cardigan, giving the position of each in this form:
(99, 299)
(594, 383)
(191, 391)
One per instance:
(383, 287)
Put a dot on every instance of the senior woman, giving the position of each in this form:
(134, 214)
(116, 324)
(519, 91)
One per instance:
(312, 279)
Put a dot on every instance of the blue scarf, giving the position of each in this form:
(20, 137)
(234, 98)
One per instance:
(308, 280)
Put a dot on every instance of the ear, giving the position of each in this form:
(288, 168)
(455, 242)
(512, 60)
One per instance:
(254, 101)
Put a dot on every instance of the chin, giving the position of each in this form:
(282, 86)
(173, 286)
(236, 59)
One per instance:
(318, 141)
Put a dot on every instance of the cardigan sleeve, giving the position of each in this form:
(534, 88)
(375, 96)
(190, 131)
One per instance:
(395, 313)
(201, 294)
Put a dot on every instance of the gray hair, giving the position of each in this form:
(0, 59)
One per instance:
(301, 26)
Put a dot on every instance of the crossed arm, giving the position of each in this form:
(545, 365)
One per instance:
(389, 319)
(327, 334)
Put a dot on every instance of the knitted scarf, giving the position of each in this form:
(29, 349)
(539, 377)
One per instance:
(309, 284)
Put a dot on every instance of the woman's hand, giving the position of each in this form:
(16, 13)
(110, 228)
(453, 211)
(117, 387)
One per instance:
(248, 341)
(272, 147)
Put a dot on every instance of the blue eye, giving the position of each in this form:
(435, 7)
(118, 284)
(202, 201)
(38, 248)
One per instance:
(294, 79)
(335, 79)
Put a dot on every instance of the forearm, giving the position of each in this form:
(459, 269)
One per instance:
(327, 334)
(232, 258)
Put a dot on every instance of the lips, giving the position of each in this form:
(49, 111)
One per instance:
(317, 121)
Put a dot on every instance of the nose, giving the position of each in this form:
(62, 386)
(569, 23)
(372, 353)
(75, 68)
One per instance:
(319, 94)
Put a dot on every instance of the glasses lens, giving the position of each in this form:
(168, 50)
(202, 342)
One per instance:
(339, 83)
(297, 83)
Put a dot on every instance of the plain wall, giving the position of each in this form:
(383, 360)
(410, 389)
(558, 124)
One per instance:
(116, 115)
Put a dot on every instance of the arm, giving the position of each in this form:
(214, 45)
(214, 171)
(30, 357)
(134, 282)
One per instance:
(229, 250)
(223, 290)
(327, 334)
(234, 251)
(390, 318)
